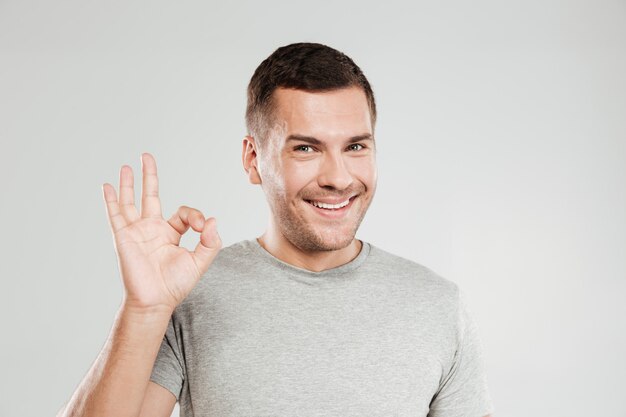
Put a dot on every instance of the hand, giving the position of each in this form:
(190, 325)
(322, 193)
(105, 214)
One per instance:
(156, 272)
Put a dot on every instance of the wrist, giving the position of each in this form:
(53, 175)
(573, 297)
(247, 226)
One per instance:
(145, 313)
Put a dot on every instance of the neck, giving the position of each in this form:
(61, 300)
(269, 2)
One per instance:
(281, 248)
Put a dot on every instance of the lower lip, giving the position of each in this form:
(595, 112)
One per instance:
(333, 213)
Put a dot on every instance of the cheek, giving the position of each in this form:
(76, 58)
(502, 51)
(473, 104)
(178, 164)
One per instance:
(298, 175)
(364, 170)
(273, 177)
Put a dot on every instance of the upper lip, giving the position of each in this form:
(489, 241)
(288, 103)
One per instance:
(332, 200)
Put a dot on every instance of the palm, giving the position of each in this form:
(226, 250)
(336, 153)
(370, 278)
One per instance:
(155, 270)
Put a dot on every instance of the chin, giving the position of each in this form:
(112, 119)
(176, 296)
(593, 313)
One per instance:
(324, 241)
(334, 244)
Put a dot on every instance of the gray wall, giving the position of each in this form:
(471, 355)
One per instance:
(502, 166)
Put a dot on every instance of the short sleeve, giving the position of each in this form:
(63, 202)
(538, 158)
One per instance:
(463, 391)
(168, 370)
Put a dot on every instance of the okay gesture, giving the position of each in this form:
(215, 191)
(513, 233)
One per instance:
(156, 271)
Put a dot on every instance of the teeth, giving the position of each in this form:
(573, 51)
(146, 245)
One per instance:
(330, 206)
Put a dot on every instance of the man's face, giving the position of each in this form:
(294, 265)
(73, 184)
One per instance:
(318, 167)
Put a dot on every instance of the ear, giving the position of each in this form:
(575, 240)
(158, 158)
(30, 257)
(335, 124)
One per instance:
(249, 160)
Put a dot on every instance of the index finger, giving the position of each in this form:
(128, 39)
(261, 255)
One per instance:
(150, 203)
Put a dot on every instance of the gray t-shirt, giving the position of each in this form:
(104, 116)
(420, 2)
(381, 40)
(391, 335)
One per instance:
(378, 336)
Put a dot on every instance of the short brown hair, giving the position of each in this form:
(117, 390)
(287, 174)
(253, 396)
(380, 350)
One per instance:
(302, 66)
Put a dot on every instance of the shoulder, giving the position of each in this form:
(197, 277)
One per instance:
(232, 263)
(408, 271)
(234, 256)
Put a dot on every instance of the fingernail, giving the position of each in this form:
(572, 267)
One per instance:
(214, 234)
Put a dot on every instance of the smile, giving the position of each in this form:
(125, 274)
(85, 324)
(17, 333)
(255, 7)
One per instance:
(333, 211)
(330, 206)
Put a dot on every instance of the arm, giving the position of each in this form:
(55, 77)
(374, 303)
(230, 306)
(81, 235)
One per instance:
(157, 275)
(463, 390)
(159, 402)
(117, 383)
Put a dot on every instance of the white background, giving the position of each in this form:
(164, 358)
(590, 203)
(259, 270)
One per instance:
(501, 151)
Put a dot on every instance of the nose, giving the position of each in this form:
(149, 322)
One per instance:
(334, 173)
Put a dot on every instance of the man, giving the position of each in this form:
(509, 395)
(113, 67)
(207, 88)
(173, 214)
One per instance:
(305, 320)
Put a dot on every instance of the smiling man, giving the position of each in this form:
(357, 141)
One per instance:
(304, 320)
(318, 172)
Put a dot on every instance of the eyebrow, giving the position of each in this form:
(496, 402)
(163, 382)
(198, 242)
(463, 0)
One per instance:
(315, 141)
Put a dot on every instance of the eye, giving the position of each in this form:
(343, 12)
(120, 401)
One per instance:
(352, 147)
(304, 148)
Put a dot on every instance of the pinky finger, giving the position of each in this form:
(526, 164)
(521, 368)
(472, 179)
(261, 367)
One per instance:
(116, 220)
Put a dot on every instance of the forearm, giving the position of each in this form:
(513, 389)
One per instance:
(117, 381)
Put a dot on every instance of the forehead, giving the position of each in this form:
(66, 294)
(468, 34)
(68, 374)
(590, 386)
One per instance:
(343, 112)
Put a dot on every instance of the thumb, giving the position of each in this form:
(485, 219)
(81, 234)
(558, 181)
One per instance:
(208, 247)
